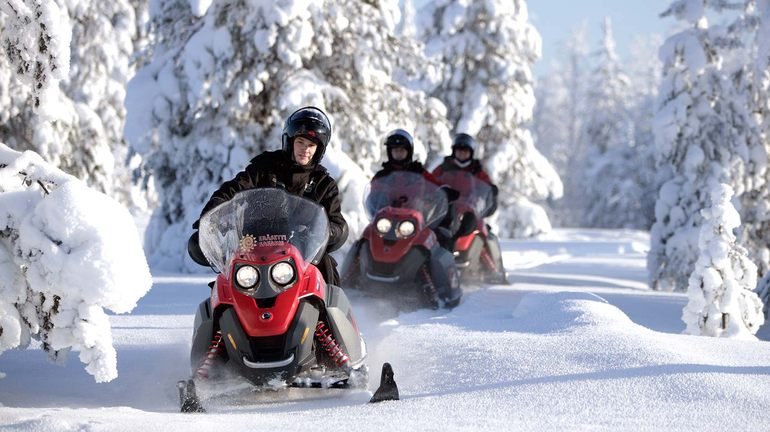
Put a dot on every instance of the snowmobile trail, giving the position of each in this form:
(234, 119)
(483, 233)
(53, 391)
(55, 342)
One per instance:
(530, 357)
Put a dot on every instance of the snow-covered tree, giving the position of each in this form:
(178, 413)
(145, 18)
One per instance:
(594, 122)
(487, 49)
(76, 122)
(558, 119)
(703, 136)
(721, 301)
(407, 26)
(608, 137)
(752, 81)
(225, 74)
(763, 292)
(63, 261)
(607, 122)
(645, 74)
(760, 231)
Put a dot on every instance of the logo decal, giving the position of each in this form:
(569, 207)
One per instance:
(248, 242)
(272, 240)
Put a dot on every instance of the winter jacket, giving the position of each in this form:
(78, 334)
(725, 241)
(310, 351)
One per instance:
(474, 168)
(275, 169)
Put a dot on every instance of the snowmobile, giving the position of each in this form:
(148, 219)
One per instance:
(477, 249)
(271, 318)
(398, 255)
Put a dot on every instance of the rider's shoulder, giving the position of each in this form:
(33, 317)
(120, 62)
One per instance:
(320, 170)
(417, 167)
(268, 158)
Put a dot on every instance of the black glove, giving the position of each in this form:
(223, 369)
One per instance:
(451, 193)
(195, 252)
(493, 206)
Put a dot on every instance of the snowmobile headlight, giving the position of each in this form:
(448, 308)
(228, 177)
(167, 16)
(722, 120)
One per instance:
(383, 225)
(282, 273)
(247, 276)
(406, 228)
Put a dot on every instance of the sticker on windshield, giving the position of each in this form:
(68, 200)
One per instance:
(272, 240)
(248, 242)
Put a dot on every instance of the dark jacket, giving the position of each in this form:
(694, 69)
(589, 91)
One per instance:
(274, 169)
(412, 166)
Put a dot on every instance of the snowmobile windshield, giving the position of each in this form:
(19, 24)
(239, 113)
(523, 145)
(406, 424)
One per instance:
(263, 217)
(406, 190)
(474, 192)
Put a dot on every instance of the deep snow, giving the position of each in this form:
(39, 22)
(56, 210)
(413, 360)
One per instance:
(577, 342)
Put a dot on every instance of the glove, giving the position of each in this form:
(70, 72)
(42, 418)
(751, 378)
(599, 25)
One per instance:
(451, 193)
(195, 252)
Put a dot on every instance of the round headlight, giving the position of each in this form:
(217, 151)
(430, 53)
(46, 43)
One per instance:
(383, 225)
(406, 228)
(247, 276)
(282, 273)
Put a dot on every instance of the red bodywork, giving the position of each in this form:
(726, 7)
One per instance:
(391, 251)
(309, 282)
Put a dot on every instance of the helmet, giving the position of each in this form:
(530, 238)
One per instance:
(308, 122)
(399, 138)
(463, 140)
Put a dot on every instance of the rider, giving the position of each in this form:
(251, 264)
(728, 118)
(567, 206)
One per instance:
(461, 159)
(399, 146)
(295, 167)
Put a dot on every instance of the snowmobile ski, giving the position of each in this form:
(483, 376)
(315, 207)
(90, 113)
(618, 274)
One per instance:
(188, 399)
(388, 389)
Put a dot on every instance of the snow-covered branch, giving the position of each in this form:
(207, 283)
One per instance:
(36, 40)
(67, 253)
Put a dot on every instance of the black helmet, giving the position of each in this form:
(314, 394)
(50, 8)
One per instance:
(463, 140)
(399, 138)
(311, 123)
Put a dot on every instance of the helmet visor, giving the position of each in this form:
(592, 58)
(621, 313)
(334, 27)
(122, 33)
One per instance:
(398, 141)
(463, 141)
(309, 128)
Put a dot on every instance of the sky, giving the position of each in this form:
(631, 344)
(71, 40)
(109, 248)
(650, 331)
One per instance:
(555, 19)
(577, 342)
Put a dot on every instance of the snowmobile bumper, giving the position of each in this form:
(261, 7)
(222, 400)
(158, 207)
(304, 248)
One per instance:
(269, 365)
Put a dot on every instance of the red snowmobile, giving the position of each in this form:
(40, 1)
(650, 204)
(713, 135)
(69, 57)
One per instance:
(271, 318)
(477, 252)
(398, 256)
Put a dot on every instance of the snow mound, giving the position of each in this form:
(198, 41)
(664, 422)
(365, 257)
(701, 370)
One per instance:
(546, 312)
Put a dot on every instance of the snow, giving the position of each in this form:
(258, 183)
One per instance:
(67, 253)
(577, 342)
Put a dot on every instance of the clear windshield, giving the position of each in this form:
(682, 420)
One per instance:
(407, 190)
(474, 192)
(271, 217)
